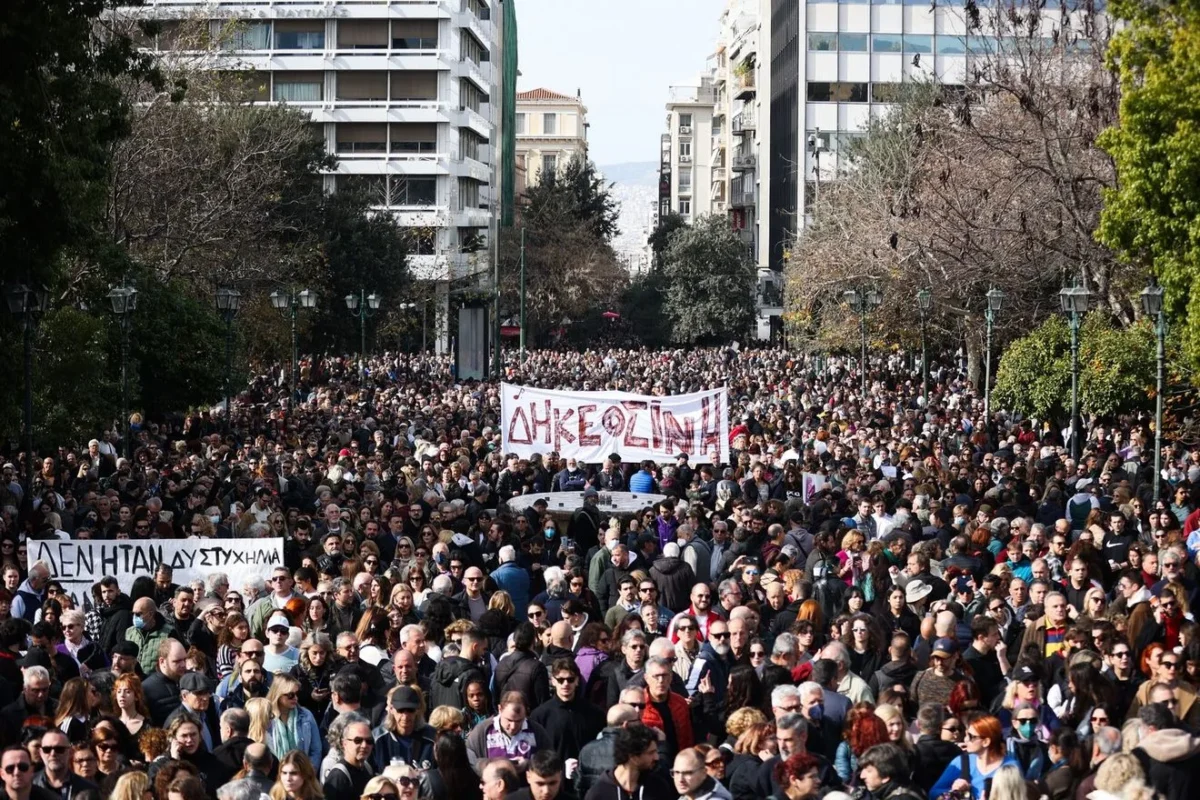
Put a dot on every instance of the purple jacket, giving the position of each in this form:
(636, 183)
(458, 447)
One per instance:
(666, 530)
(588, 659)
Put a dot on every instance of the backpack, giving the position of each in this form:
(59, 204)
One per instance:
(454, 693)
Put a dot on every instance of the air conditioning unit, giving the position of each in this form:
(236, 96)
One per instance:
(685, 159)
(685, 130)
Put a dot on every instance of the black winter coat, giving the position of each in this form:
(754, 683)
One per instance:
(162, 696)
(449, 684)
(570, 725)
(118, 618)
(523, 672)
(674, 579)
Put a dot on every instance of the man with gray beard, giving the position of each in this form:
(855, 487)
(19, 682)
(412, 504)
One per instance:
(717, 653)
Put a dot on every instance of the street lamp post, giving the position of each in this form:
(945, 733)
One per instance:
(124, 301)
(28, 304)
(229, 300)
(362, 305)
(815, 148)
(1074, 300)
(412, 307)
(289, 304)
(863, 303)
(924, 303)
(995, 300)
(1152, 305)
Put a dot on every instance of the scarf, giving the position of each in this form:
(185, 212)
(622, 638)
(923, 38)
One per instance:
(284, 735)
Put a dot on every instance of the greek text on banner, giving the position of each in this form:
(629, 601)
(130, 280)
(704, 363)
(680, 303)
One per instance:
(589, 426)
(79, 564)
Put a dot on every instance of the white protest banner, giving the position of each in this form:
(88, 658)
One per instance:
(814, 483)
(589, 426)
(79, 564)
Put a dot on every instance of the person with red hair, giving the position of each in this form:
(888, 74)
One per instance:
(984, 743)
(864, 730)
(799, 777)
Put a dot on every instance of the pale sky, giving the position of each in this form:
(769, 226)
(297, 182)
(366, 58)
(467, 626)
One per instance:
(622, 54)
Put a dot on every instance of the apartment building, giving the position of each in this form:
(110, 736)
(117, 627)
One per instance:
(407, 96)
(551, 129)
(687, 158)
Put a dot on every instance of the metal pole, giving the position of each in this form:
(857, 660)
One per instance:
(28, 432)
(862, 325)
(362, 330)
(987, 369)
(496, 306)
(522, 294)
(424, 323)
(924, 365)
(1075, 385)
(295, 350)
(228, 373)
(125, 383)
(1158, 405)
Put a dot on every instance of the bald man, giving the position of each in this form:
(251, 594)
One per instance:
(561, 637)
(662, 648)
(596, 757)
(148, 631)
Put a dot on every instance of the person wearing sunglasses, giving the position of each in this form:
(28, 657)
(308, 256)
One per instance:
(352, 772)
(56, 775)
(570, 719)
(16, 770)
(381, 788)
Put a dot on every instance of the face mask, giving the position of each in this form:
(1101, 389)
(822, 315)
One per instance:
(215, 519)
(1026, 729)
(816, 713)
(550, 533)
(439, 558)
(960, 521)
(139, 623)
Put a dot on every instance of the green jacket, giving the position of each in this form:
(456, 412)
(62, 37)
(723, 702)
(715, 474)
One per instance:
(148, 642)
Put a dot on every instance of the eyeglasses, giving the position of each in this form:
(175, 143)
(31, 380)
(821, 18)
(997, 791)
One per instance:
(536, 614)
(56, 749)
(1169, 664)
(290, 695)
(645, 588)
(952, 728)
(472, 580)
(23, 767)
(638, 706)
(1099, 720)
(758, 653)
(564, 680)
(106, 746)
(1027, 719)
(359, 740)
(684, 628)
(381, 795)
(406, 781)
(973, 737)
(719, 635)
(1120, 654)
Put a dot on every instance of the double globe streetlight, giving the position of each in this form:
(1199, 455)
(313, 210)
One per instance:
(1152, 306)
(229, 301)
(362, 305)
(863, 303)
(1074, 300)
(995, 301)
(123, 300)
(289, 304)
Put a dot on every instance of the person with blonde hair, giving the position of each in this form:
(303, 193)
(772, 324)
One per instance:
(741, 719)
(897, 727)
(1118, 771)
(447, 718)
(292, 726)
(259, 709)
(132, 786)
(297, 779)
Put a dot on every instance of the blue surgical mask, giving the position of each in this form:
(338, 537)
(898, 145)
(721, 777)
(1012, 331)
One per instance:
(215, 519)
(1026, 729)
(139, 623)
(816, 713)
(550, 533)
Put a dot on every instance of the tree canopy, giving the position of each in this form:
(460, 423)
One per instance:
(709, 283)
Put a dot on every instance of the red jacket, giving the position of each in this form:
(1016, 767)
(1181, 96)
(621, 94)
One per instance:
(681, 716)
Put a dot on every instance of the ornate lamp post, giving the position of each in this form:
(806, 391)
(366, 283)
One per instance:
(28, 304)
(1152, 306)
(362, 305)
(924, 303)
(1074, 300)
(863, 303)
(289, 304)
(124, 302)
(229, 300)
(995, 300)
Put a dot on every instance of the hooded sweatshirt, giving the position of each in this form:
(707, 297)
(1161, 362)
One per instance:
(1171, 760)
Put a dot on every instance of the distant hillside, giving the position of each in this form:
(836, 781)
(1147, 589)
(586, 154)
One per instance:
(633, 173)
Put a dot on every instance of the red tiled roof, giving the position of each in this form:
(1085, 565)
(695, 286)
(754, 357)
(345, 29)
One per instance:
(542, 94)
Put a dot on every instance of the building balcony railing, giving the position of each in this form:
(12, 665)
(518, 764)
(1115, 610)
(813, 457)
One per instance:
(744, 162)
(718, 174)
(741, 199)
(744, 122)
(743, 86)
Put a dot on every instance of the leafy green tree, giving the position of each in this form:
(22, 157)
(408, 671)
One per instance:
(710, 283)
(661, 236)
(1116, 369)
(578, 192)
(1150, 217)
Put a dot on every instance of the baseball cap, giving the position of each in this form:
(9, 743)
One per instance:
(278, 620)
(944, 648)
(1025, 673)
(406, 699)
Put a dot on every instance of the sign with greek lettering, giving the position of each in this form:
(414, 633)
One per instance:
(589, 426)
(79, 564)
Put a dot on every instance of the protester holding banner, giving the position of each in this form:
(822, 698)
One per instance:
(799, 533)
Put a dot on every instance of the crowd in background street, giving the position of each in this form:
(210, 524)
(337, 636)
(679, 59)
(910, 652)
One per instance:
(887, 596)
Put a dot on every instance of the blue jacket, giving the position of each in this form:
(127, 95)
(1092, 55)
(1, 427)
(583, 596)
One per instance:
(514, 580)
(308, 736)
(978, 779)
(641, 482)
(416, 750)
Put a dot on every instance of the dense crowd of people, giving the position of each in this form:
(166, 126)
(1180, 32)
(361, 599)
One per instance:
(884, 597)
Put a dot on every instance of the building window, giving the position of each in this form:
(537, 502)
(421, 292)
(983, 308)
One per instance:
(299, 36)
(470, 49)
(414, 34)
(685, 120)
(918, 43)
(853, 42)
(414, 191)
(414, 138)
(421, 241)
(837, 92)
(468, 194)
(951, 46)
(249, 36)
(549, 165)
(297, 90)
(887, 43)
(361, 137)
(822, 41)
(550, 124)
(468, 144)
(685, 181)
(886, 92)
(685, 148)
(520, 124)
(685, 208)
(372, 187)
(471, 96)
